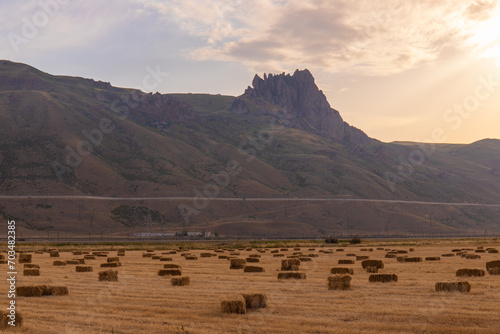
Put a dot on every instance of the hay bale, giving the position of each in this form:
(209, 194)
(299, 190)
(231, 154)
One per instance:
(432, 258)
(284, 250)
(237, 263)
(400, 251)
(155, 257)
(30, 291)
(274, 251)
(234, 253)
(291, 275)
(25, 258)
(382, 278)
(472, 256)
(372, 263)
(494, 271)
(59, 263)
(290, 265)
(206, 255)
(56, 291)
(255, 300)
(31, 272)
(222, 257)
(412, 259)
(463, 287)
(304, 259)
(254, 255)
(83, 269)
(169, 272)
(77, 253)
(5, 319)
(31, 266)
(313, 255)
(252, 259)
(113, 259)
(111, 265)
(492, 264)
(108, 275)
(479, 251)
(278, 255)
(54, 253)
(339, 282)
(351, 254)
(180, 281)
(390, 256)
(72, 262)
(147, 255)
(89, 257)
(339, 250)
(448, 255)
(171, 265)
(253, 269)
(493, 251)
(191, 257)
(371, 269)
(341, 271)
(470, 272)
(234, 304)
(345, 261)
(166, 259)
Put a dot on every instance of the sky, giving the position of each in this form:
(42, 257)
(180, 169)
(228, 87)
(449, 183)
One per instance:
(400, 70)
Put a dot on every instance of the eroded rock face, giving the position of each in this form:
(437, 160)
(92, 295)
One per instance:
(299, 96)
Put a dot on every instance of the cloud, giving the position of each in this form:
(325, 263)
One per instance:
(362, 37)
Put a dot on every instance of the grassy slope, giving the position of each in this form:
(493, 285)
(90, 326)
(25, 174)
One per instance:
(45, 113)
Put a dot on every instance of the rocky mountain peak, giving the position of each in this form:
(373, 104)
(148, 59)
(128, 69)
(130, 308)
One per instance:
(300, 97)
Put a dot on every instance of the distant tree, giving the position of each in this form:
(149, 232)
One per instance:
(355, 240)
(330, 240)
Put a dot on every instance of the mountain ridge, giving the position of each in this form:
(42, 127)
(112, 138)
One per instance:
(177, 144)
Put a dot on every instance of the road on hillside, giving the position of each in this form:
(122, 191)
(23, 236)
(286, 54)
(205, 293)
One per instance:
(248, 199)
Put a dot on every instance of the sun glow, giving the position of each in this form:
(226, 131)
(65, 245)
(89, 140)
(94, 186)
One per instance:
(486, 37)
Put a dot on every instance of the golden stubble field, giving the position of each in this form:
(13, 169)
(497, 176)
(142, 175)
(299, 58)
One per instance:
(143, 302)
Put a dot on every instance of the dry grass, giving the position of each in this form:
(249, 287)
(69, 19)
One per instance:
(141, 302)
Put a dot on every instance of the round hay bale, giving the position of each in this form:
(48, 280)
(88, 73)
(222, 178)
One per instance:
(54, 253)
(470, 272)
(339, 282)
(31, 272)
(237, 263)
(234, 304)
(291, 275)
(372, 263)
(341, 271)
(59, 263)
(252, 259)
(382, 278)
(463, 287)
(345, 261)
(433, 258)
(255, 300)
(108, 275)
(180, 281)
(83, 269)
(25, 258)
(253, 269)
(31, 266)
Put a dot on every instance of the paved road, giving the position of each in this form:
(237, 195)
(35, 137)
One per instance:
(248, 199)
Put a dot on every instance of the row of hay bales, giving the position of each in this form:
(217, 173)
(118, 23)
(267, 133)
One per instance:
(240, 304)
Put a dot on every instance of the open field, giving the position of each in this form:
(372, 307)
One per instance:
(143, 302)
